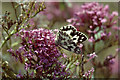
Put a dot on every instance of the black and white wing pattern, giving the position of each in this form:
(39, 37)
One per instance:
(68, 38)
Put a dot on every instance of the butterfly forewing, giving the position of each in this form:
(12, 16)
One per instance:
(80, 37)
(67, 28)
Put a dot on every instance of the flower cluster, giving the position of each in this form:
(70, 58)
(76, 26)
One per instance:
(42, 59)
(40, 54)
(94, 18)
(99, 24)
(91, 56)
(109, 60)
(89, 73)
(28, 11)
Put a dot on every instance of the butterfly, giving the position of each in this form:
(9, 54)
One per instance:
(68, 38)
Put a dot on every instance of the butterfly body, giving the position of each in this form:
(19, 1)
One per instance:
(68, 38)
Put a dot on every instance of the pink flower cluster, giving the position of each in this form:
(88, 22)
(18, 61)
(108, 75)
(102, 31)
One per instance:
(89, 73)
(40, 53)
(93, 18)
(109, 60)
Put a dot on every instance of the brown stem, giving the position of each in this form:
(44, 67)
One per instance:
(82, 65)
(14, 9)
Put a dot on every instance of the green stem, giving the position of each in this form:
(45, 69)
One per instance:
(6, 40)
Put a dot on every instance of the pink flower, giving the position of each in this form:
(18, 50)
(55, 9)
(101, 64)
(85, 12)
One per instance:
(109, 34)
(91, 26)
(81, 45)
(115, 67)
(116, 28)
(112, 63)
(109, 60)
(92, 16)
(103, 34)
(92, 55)
(106, 8)
(64, 55)
(89, 73)
(103, 20)
(118, 50)
(63, 66)
(56, 30)
(91, 39)
(115, 13)
(40, 52)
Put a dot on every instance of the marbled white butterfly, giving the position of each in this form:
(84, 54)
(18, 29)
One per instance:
(68, 38)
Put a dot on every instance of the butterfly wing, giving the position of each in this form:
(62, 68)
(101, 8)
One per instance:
(79, 37)
(68, 38)
(76, 36)
(67, 28)
(66, 42)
